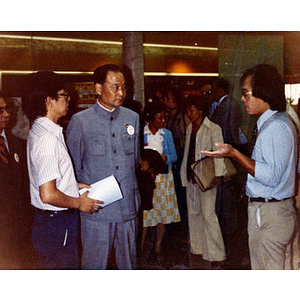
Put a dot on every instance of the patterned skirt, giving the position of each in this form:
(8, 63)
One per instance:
(165, 207)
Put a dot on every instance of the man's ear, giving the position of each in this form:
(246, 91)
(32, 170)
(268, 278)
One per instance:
(48, 101)
(98, 88)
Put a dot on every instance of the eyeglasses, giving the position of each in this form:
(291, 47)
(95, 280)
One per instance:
(64, 95)
(245, 94)
(7, 109)
(206, 93)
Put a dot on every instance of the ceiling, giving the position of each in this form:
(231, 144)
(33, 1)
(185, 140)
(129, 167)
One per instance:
(189, 38)
(186, 38)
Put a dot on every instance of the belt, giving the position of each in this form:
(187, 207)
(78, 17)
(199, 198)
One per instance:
(55, 212)
(259, 199)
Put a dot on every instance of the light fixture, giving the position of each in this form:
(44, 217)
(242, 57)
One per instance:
(41, 38)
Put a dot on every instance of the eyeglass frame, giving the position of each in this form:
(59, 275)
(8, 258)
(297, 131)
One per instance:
(7, 109)
(66, 94)
(245, 94)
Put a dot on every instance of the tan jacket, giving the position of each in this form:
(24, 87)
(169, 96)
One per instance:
(208, 134)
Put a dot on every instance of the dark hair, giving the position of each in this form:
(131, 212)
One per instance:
(198, 101)
(177, 94)
(100, 74)
(2, 96)
(267, 85)
(40, 86)
(224, 85)
(153, 108)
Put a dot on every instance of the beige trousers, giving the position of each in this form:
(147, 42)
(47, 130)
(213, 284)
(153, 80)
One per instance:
(270, 228)
(205, 232)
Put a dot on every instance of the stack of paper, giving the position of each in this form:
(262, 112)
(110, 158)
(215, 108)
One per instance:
(107, 190)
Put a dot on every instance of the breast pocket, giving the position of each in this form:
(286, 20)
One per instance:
(128, 143)
(96, 145)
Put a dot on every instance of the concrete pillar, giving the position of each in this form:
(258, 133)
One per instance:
(133, 61)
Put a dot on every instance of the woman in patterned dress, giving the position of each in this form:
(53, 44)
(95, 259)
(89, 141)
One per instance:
(165, 207)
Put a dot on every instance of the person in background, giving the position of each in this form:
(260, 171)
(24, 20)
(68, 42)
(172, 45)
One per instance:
(271, 169)
(206, 241)
(165, 208)
(15, 213)
(53, 187)
(226, 115)
(176, 122)
(210, 103)
(104, 140)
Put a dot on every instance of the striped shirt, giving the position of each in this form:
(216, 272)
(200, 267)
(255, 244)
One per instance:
(48, 160)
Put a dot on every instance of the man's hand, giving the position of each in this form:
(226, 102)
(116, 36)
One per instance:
(226, 150)
(53, 196)
(83, 185)
(145, 164)
(88, 205)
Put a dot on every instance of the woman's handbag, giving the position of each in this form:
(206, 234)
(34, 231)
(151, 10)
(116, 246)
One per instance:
(204, 172)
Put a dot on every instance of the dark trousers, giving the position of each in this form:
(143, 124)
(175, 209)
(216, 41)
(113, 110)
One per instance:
(226, 207)
(55, 239)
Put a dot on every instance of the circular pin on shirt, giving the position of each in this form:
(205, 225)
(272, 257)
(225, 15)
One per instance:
(16, 156)
(130, 129)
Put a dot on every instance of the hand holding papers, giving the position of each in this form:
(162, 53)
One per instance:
(106, 190)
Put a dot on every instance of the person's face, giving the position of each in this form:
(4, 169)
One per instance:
(61, 105)
(215, 93)
(159, 120)
(170, 103)
(194, 114)
(112, 93)
(253, 105)
(206, 91)
(4, 114)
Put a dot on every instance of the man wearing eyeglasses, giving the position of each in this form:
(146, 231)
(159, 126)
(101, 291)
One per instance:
(271, 169)
(14, 193)
(53, 188)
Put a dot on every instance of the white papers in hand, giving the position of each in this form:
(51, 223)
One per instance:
(107, 190)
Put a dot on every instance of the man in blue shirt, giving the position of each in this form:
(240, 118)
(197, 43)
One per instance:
(271, 168)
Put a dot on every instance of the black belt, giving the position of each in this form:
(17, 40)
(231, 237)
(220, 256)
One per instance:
(259, 199)
(55, 212)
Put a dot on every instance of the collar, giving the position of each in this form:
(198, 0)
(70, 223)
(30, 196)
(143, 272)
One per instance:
(3, 134)
(51, 126)
(222, 99)
(147, 130)
(105, 107)
(206, 122)
(264, 117)
(105, 113)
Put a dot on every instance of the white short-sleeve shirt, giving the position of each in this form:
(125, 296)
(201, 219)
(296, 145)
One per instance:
(154, 140)
(48, 159)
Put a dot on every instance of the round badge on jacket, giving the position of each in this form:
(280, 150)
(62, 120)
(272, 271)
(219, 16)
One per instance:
(130, 129)
(16, 157)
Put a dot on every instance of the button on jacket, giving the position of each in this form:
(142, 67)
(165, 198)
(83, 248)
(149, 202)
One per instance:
(102, 144)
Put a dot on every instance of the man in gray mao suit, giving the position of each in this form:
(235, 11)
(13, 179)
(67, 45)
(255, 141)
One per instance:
(104, 140)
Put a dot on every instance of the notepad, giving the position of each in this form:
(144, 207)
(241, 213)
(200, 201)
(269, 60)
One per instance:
(106, 190)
